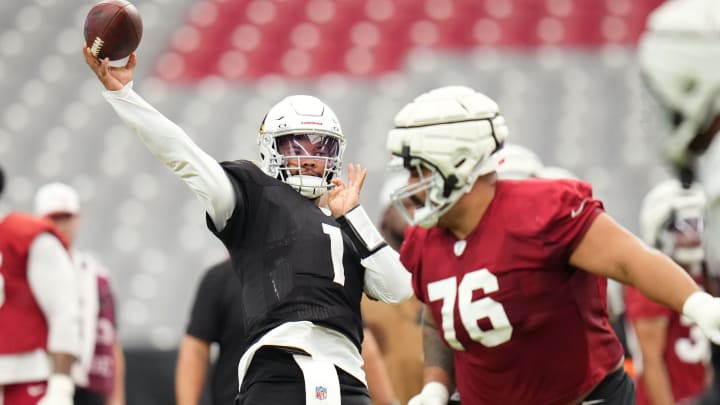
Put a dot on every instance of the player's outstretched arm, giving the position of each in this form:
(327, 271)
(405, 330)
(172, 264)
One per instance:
(166, 140)
(607, 249)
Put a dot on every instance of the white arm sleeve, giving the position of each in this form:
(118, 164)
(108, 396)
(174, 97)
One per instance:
(386, 279)
(172, 146)
(52, 279)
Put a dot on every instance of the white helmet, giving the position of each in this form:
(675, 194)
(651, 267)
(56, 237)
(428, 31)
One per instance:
(555, 172)
(669, 210)
(679, 56)
(452, 131)
(517, 162)
(297, 130)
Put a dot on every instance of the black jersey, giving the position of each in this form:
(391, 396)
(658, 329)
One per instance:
(216, 317)
(293, 260)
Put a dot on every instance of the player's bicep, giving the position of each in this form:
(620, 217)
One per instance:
(605, 249)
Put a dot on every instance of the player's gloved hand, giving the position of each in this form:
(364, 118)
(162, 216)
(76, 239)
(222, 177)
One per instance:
(60, 390)
(433, 393)
(704, 310)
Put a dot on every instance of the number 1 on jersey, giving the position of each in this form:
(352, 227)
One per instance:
(471, 311)
(336, 252)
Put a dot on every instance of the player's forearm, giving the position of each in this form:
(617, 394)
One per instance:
(172, 146)
(660, 279)
(61, 363)
(439, 362)
(192, 366)
(117, 396)
(657, 383)
(378, 378)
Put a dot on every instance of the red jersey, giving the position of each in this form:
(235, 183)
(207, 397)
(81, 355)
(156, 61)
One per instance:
(686, 349)
(526, 326)
(22, 321)
(102, 371)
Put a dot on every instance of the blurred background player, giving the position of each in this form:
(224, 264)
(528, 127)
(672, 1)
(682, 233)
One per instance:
(100, 370)
(556, 172)
(215, 317)
(396, 328)
(678, 55)
(672, 353)
(376, 371)
(516, 162)
(39, 312)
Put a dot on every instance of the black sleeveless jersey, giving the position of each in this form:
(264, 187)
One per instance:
(293, 260)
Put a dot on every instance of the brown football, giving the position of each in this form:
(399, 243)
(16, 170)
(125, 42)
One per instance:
(113, 29)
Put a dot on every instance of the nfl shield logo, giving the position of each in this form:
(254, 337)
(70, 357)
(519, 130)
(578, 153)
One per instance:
(320, 392)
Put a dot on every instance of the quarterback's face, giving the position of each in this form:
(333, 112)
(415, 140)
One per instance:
(308, 152)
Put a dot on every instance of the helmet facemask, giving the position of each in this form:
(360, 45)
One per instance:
(307, 162)
(434, 193)
(671, 219)
(428, 202)
(680, 237)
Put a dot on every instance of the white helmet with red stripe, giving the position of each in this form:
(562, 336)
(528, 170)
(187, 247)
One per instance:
(297, 130)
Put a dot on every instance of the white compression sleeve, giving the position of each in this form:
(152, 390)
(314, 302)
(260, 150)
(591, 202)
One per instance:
(386, 278)
(172, 146)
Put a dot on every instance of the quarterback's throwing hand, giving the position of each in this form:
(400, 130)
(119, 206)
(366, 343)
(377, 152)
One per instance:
(704, 309)
(112, 77)
(343, 198)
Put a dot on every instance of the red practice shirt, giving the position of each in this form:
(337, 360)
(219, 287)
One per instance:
(526, 326)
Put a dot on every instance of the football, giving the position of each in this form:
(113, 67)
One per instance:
(113, 29)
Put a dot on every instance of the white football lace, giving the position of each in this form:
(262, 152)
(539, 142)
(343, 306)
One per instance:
(96, 46)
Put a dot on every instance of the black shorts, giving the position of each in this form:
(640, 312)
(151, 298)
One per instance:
(616, 389)
(84, 396)
(274, 377)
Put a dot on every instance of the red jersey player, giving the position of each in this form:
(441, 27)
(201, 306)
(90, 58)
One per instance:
(39, 315)
(671, 353)
(513, 273)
